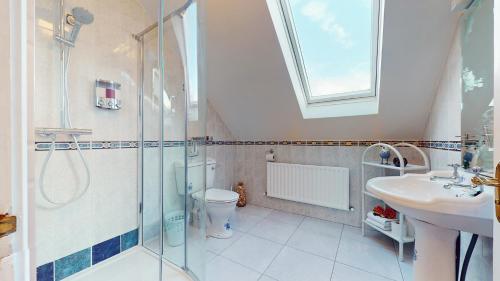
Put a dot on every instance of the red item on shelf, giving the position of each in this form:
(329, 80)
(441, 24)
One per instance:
(379, 211)
(390, 213)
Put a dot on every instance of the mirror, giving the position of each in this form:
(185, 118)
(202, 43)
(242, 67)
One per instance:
(477, 86)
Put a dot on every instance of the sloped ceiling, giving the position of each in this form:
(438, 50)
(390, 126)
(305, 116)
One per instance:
(249, 86)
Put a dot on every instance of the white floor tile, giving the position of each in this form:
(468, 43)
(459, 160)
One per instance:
(487, 249)
(254, 210)
(311, 249)
(174, 254)
(365, 254)
(244, 222)
(321, 226)
(253, 252)
(276, 231)
(406, 265)
(372, 237)
(315, 243)
(406, 269)
(209, 256)
(266, 278)
(218, 245)
(343, 272)
(480, 268)
(295, 265)
(285, 217)
(222, 269)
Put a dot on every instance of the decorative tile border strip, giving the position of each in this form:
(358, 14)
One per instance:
(86, 258)
(442, 145)
(85, 145)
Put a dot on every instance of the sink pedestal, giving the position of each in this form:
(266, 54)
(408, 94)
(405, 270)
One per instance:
(434, 252)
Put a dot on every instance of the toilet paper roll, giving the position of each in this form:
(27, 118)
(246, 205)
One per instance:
(270, 157)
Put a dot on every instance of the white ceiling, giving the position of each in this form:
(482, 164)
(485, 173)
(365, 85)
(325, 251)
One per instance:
(248, 83)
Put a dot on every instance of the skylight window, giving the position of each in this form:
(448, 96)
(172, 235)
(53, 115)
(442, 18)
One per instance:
(331, 49)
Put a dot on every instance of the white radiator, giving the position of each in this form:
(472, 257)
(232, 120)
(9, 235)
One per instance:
(317, 185)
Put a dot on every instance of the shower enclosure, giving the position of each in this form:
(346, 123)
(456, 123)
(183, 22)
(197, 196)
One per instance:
(119, 116)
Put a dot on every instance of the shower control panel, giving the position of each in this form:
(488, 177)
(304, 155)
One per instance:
(107, 94)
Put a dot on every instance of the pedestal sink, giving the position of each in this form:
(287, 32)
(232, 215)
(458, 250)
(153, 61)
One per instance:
(437, 214)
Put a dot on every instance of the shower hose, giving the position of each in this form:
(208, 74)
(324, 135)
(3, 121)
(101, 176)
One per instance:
(66, 124)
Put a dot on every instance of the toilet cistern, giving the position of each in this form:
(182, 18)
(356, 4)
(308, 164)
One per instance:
(220, 203)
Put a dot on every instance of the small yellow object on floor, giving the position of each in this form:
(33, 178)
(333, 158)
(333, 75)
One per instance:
(241, 190)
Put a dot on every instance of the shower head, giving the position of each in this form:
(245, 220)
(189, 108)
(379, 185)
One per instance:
(82, 15)
(79, 17)
(461, 5)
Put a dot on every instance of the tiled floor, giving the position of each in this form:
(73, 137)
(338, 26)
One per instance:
(270, 245)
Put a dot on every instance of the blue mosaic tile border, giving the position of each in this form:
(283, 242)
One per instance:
(45, 146)
(76, 262)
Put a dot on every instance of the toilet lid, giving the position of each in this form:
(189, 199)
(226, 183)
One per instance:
(217, 195)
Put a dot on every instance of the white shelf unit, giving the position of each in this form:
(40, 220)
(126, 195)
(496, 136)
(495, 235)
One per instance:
(402, 237)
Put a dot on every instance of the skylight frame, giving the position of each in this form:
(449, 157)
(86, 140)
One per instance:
(294, 45)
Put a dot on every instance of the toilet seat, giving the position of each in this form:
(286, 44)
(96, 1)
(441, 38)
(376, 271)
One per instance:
(217, 195)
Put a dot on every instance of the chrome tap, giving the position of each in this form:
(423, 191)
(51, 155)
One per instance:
(495, 182)
(453, 184)
(455, 178)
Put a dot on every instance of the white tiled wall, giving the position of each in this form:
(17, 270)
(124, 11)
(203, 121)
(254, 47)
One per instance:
(444, 120)
(250, 167)
(224, 155)
(104, 50)
(247, 163)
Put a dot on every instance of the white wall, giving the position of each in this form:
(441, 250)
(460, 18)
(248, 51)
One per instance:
(6, 245)
(104, 50)
(5, 77)
(248, 82)
(444, 120)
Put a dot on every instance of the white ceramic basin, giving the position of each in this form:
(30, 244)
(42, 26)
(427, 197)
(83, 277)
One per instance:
(418, 197)
(437, 214)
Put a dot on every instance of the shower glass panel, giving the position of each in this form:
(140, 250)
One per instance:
(173, 124)
(196, 132)
(477, 86)
(151, 139)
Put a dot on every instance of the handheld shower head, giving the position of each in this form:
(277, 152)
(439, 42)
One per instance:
(79, 17)
(82, 15)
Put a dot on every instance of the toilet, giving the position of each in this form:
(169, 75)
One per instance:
(220, 203)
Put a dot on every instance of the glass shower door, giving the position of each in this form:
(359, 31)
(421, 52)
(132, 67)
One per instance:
(187, 33)
(173, 125)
